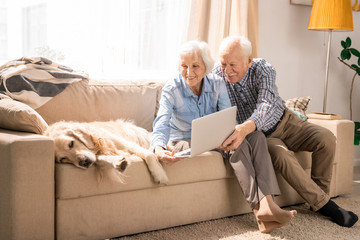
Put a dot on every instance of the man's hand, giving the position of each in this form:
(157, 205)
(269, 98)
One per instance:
(234, 141)
(238, 136)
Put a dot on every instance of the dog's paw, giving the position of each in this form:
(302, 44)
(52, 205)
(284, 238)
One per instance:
(122, 166)
(118, 162)
(161, 177)
(156, 169)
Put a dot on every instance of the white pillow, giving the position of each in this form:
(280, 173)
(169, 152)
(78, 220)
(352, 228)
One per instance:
(15, 115)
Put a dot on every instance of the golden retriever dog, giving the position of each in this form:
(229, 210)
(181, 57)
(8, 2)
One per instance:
(114, 142)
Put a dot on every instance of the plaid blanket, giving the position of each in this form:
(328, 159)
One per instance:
(34, 81)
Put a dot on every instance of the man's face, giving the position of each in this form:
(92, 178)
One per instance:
(234, 63)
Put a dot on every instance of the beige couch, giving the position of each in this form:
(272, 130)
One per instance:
(43, 200)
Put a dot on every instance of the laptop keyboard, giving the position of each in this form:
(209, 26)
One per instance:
(183, 153)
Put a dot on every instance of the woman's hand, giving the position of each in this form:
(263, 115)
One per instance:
(166, 156)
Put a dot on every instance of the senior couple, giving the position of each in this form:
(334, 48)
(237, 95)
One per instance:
(266, 137)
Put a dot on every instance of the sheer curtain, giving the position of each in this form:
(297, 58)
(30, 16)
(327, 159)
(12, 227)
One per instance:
(119, 39)
(213, 20)
(109, 39)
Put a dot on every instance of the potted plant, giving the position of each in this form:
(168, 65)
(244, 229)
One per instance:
(345, 55)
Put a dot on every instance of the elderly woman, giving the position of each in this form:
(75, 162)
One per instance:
(194, 93)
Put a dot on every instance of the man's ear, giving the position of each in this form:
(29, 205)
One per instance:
(250, 59)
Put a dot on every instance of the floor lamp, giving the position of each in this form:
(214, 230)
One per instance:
(330, 15)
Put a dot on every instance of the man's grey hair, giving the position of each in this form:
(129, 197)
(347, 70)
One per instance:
(195, 46)
(242, 41)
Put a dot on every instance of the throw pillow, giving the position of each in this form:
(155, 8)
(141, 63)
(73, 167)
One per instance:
(15, 115)
(298, 105)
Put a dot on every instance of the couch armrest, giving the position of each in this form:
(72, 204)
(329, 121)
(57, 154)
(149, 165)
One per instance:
(27, 199)
(342, 178)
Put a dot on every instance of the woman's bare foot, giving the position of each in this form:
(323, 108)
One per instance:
(269, 211)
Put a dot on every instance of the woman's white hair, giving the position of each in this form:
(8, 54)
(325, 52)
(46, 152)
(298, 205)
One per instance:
(195, 46)
(243, 42)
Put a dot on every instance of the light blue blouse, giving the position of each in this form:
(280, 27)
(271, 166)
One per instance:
(179, 106)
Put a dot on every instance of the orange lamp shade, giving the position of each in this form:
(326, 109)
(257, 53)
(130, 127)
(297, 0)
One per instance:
(331, 14)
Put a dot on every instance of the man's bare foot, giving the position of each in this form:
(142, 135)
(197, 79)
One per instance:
(269, 211)
(266, 227)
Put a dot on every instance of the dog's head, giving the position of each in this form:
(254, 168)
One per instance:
(74, 146)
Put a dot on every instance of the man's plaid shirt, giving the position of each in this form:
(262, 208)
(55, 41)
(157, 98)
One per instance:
(256, 95)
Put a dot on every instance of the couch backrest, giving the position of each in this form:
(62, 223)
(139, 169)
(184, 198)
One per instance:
(98, 101)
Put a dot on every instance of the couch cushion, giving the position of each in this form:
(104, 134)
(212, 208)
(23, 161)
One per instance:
(95, 101)
(15, 115)
(72, 182)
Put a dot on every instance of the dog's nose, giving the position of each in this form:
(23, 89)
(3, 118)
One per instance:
(85, 162)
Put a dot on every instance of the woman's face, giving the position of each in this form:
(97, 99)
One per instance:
(192, 69)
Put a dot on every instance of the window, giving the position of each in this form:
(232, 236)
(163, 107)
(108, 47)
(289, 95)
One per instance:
(3, 30)
(34, 27)
(109, 39)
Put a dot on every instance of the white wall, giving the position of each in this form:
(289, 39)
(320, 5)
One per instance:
(299, 56)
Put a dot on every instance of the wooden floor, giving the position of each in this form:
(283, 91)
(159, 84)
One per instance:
(355, 193)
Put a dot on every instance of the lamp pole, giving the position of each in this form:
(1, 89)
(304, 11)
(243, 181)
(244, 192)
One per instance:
(327, 71)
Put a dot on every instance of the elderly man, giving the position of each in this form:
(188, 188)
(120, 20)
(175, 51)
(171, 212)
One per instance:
(251, 87)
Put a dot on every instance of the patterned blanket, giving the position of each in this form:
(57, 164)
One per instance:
(34, 81)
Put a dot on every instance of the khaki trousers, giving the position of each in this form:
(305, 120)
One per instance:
(292, 135)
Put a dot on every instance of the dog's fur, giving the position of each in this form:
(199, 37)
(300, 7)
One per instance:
(115, 142)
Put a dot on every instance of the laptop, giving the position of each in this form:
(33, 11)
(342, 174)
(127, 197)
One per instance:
(210, 131)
